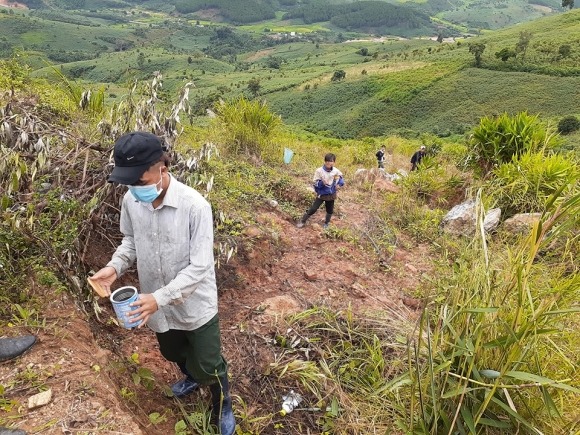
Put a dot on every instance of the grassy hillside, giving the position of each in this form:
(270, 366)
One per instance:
(482, 333)
(390, 85)
(425, 99)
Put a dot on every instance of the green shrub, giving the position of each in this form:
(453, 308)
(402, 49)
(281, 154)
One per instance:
(526, 183)
(568, 125)
(434, 184)
(248, 127)
(497, 355)
(498, 139)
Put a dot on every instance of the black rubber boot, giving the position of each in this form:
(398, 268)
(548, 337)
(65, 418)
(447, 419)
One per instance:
(186, 385)
(222, 413)
(13, 347)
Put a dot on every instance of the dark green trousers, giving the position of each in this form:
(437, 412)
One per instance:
(198, 350)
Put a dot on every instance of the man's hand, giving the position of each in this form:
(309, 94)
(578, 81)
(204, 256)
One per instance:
(143, 308)
(105, 278)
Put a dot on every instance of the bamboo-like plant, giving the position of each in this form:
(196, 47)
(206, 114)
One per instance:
(525, 183)
(248, 127)
(493, 358)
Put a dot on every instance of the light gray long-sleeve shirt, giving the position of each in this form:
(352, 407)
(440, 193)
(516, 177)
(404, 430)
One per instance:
(173, 246)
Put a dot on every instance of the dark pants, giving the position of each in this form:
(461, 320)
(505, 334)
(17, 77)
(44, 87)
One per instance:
(198, 350)
(329, 205)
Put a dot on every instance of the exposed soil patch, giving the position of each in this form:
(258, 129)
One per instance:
(91, 366)
(260, 54)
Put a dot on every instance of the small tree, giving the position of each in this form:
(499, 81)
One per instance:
(505, 53)
(254, 86)
(568, 4)
(338, 75)
(363, 51)
(274, 62)
(523, 43)
(564, 51)
(477, 50)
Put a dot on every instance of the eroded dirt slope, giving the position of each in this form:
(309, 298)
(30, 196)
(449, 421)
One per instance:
(90, 366)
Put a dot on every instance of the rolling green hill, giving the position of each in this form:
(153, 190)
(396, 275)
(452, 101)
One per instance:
(390, 85)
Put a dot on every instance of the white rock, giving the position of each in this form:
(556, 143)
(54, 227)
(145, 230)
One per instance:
(40, 399)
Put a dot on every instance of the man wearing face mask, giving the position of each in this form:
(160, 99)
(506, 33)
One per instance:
(168, 230)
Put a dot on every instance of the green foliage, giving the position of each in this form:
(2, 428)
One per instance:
(493, 354)
(498, 140)
(338, 75)
(568, 125)
(505, 54)
(365, 15)
(254, 86)
(353, 378)
(420, 222)
(568, 4)
(13, 74)
(526, 183)
(433, 184)
(477, 49)
(248, 127)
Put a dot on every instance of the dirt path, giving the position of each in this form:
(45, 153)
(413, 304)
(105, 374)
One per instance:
(280, 269)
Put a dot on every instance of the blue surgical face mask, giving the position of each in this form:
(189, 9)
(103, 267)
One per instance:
(148, 193)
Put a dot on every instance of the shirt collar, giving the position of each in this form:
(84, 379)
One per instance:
(171, 198)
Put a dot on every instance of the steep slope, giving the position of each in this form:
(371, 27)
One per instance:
(282, 270)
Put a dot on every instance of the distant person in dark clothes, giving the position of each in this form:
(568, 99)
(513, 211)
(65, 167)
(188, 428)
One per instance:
(326, 180)
(417, 157)
(381, 157)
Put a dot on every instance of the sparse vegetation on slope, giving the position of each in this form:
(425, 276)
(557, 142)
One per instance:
(497, 313)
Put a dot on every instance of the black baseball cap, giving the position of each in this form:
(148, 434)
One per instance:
(134, 153)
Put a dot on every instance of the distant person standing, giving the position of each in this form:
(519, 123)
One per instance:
(326, 180)
(381, 157)
(417, 157)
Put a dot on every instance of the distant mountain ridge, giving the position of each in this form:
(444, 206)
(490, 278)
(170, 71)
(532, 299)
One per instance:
(373, 16)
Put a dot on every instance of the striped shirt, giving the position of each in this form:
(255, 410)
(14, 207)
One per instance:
(173, 247)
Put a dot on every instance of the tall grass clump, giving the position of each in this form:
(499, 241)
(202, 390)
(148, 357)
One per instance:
(526, 183)
(497, 140)
(499, 354)
(435, 183)
(248, 128)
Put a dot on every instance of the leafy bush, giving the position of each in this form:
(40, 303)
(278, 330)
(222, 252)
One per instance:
(248, 127)
(568, 125)
(526, 183)
(498, 139)
(434, 184)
